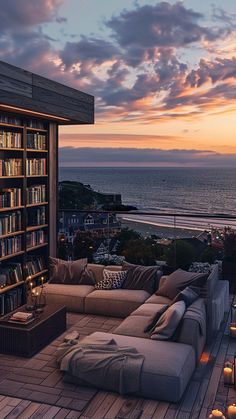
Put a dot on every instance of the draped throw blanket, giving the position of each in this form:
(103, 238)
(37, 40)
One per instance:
(103, 364)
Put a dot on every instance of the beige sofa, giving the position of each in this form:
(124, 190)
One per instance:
(168, 366)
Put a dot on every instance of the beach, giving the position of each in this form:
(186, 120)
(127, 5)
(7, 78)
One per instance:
(161, 231)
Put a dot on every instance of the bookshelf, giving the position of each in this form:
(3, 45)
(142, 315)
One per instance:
(24, 206)
(31, 110)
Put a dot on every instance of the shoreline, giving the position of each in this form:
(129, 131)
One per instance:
(147, 229)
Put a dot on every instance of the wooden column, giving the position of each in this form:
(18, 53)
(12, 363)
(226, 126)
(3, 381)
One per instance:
(53, 185)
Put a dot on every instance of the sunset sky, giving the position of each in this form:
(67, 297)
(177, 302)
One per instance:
(163, 75)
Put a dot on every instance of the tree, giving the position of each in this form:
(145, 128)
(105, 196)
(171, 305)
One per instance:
(84, 245)
(180, 254)
(124, 237)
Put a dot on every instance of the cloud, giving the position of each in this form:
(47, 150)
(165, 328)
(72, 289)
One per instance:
(19, 15)
(85, 156)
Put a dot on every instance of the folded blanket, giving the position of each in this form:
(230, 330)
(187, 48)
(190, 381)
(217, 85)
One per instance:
(103, 364)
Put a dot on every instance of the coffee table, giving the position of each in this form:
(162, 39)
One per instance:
(27, 339)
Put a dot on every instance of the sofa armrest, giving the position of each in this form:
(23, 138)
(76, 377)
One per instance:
(193, 328)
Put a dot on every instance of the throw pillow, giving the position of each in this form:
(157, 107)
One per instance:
(179, 280)
(70, 272)
(168, 323)
(141, 277)
(188, 295)
(111, 280)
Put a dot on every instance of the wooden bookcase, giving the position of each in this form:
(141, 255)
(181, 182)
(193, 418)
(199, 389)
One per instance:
(26, 97)
(28, 221)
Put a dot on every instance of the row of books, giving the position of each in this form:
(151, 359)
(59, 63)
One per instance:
(36, 141)
(34, 265)
(36, 194)
(36, 216)
(10, 197)
(10, 245)
(9, 223)
(11, 301)
(36, 167)
(35, 238)
(5, 119)
(35, 123)
(10, 139)
(11, 167)
(10, 273)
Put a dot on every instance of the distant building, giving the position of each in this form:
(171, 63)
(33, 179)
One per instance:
(103, 224)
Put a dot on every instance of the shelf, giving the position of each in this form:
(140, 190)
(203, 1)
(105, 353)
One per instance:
(29, 249)
(11, 256)
(36, 129)
(2, 124)
(11, 149)
(29, 176)
(36, 205)
(33, 228)
(10, 287)
(32, 150)
(16, 233)
(12, 177)
(32, 277)
(11, 208)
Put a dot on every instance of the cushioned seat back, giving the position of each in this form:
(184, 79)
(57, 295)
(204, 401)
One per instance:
(97, 271)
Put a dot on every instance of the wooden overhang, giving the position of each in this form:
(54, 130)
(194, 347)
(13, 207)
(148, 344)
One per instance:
(24, 92)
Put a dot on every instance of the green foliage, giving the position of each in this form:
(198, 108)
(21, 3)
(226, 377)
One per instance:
(230, 244)
(83, 246)
(180, 254)
(125, 236)
(208, 255)
(139, 252)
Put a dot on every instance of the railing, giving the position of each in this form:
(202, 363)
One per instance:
(167, 238)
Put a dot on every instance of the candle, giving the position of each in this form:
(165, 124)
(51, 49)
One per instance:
(228, 373)
(216, 414)
(42, 279)
(232, 411)
(233, 330)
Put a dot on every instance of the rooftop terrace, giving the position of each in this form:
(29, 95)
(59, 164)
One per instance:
(34, 388)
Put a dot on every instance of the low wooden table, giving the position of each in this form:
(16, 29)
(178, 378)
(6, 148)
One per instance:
(27, 339)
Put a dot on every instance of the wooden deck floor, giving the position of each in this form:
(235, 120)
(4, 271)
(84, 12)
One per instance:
(34, 388)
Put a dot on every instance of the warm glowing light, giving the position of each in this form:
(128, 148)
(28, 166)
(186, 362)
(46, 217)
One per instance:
(22, 110)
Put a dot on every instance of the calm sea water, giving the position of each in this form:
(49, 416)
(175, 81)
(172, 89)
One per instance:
(188, 190)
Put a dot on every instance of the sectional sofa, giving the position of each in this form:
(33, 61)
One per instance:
(168, 365)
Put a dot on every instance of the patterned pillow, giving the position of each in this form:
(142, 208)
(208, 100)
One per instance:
(111, 280)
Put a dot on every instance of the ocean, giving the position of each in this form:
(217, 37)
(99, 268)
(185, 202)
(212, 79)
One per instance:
(180, 190)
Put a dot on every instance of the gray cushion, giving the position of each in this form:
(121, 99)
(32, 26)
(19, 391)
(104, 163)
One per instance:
(179, 280)
(158, 299)
(71, 296)
(69, 272)
(167, 324)
(188, 295)
(134, 326)
(97, 271)
(149, 309)
(117, 303)
(167, 366)
(141, 277)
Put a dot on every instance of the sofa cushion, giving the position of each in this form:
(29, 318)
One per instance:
(134, 326)
(97, 271)
(167, 324)
(141, 277)
(117, 303)
(69, 295)
(149, 309)
(111, 280)
(141, 321)
(70, 272)
(179, 280)
(158, 299)
(188, 295)
(167, 366)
